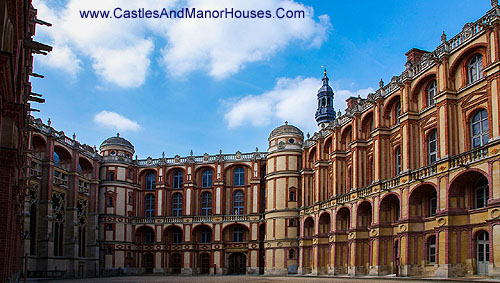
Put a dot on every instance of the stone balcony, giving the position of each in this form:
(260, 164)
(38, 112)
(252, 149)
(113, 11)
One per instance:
(198, 219)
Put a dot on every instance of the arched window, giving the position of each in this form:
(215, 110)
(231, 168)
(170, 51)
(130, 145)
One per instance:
(111, 176)
(239, 177)
(206, 203)
(398, 112)
(205, 235)
(238, 234)
(238, 203)
(431, 249)
(206, 178)
(480, 129)
(177, 204)
(432, 146)
(293, 197)
(291, 254)
(475, 68)
(56, 159)
(397, 157)
(178, 179)
(151, 181)
(481, 193)
(150, 205)
(431, 93)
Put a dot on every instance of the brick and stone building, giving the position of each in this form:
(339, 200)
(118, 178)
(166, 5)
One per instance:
(17, 27)
(405, 182)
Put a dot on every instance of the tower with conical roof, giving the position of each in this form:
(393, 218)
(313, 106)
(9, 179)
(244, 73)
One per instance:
(325, 112)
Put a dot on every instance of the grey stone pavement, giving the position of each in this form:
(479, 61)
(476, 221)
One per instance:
(263, 279)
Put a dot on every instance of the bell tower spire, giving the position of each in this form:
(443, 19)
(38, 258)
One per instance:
(325, 112)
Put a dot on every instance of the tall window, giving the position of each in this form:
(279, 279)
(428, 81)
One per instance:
(238, 202)
(56, 159)
(151, 181)
(111, 176)
(432, 146)
(481, 193)
(480, 129)
(206, 204)
(239, 177)
(206, 178)
(177, 204)
(398, 160)
(433, 204)
(206, 235)
(431, 249)
(431, 93)
(398, 112)
(150, 205)
(291, 254)
(475, 68)
(238, 234)
(178, 179)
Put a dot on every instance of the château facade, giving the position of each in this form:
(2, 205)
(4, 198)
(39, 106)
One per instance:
(405, 182)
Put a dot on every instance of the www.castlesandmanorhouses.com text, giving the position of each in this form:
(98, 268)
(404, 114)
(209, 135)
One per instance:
(192, 13)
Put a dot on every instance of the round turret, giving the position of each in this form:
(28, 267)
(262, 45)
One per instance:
(285, 137)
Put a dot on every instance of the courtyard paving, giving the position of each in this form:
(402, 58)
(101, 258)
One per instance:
(265, 279)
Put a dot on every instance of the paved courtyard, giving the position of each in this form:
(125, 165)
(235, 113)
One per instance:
(264, 279)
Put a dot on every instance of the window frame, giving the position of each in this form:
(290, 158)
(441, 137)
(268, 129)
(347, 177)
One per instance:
(432, 147)
(206, 203)
(205, 236)
(237, 234)
(150, 181)
(178, 179)
(431, 93)
(431, 249)
(482, 132)
(149, 205)
(238, 202)
(398, 160)
(484, 188)
(177, 204)
(475, 68)
(207, 178)
(239, 177)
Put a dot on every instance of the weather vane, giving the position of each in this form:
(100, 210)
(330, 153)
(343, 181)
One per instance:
(324, 68)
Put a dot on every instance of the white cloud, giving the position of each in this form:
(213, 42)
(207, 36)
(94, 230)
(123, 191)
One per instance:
(114, 120)
(292, 100)
(222, 47)
(121, 50)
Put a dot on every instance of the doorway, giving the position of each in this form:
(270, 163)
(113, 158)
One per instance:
(237, 263)
(483, 253)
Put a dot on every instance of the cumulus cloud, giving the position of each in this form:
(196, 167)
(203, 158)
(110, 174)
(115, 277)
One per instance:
(121, 50)
(222, 47)
(293, 100)
(114, 120)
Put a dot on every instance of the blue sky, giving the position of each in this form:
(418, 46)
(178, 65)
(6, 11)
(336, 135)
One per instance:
(172, 86)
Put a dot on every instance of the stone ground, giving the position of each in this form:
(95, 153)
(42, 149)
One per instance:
(264, 279)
